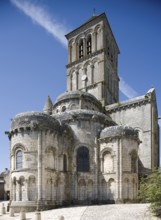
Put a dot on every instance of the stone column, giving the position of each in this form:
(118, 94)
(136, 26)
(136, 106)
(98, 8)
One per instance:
(71, 87)
(54, 191)
(84, 47)
(12, 182)
(51, 189)
(12, 162)
(74, 54)
(18, 190)
(39, 168)
(68, 79)
(113, 161)
(120, 180)
(77, 51)
(58, 192)
(76, 185)
(80, 102)
(27, 190)
(119, 187)
(96, 173)
(76, 74)
(102, 168)
(72, 187)
(94, 40)
(85, 80)
(69, 53)
(117, 169)
(92, 74)
(101, 37)
(13, 192)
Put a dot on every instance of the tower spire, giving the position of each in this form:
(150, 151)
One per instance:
(48, 106)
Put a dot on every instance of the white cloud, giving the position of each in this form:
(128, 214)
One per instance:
(42, 18)
(159, 122)
(127, 90)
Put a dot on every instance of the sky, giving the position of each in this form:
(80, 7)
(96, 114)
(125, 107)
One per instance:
(33, 51)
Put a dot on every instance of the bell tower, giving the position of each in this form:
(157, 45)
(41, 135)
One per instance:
(92, 60)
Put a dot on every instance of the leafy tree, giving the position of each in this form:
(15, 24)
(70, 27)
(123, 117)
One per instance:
(150, 191)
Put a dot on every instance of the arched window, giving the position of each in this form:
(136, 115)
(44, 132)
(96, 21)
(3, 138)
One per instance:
(89, 45)
(63, 109)
(19, 159)
(81, 48)
(64, 163)
(83, 159)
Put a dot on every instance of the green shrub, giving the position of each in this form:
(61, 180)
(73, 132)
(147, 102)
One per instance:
(150, 191)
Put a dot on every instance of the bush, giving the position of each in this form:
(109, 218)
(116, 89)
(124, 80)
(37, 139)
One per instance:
(150, 191)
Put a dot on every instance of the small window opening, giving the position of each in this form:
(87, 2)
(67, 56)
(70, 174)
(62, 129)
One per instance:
(64, 163)
(108, 51)
(19, 159)
(89, 45)
(63, 109)
(81, 49)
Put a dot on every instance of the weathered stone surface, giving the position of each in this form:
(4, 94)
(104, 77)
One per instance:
(118, 131)
(84, 149)
(34, 120)
(141, 114)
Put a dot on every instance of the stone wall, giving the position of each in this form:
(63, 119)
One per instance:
(138, 114)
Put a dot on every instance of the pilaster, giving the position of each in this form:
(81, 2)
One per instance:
(94, 41)
(39, 167)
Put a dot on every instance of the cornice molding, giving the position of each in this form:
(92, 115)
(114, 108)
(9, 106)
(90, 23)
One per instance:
(85, 58)
(122, 106)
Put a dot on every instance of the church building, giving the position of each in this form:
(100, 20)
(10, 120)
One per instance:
(87, 147)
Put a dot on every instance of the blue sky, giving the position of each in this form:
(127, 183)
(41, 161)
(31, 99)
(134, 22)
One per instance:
(33, 51)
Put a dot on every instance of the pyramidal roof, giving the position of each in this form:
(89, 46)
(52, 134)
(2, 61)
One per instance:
(48, 105)
(88, 21)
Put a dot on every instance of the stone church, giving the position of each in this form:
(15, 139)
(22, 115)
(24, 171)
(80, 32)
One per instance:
(87, 147)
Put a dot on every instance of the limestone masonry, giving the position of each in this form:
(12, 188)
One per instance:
(88, 147)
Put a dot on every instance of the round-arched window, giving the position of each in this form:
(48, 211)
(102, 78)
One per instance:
(19, 159)
(83, 159)
(89, 44)
(63, 108)
(81, 48)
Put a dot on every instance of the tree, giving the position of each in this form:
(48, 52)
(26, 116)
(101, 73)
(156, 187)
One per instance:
(150, 191)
